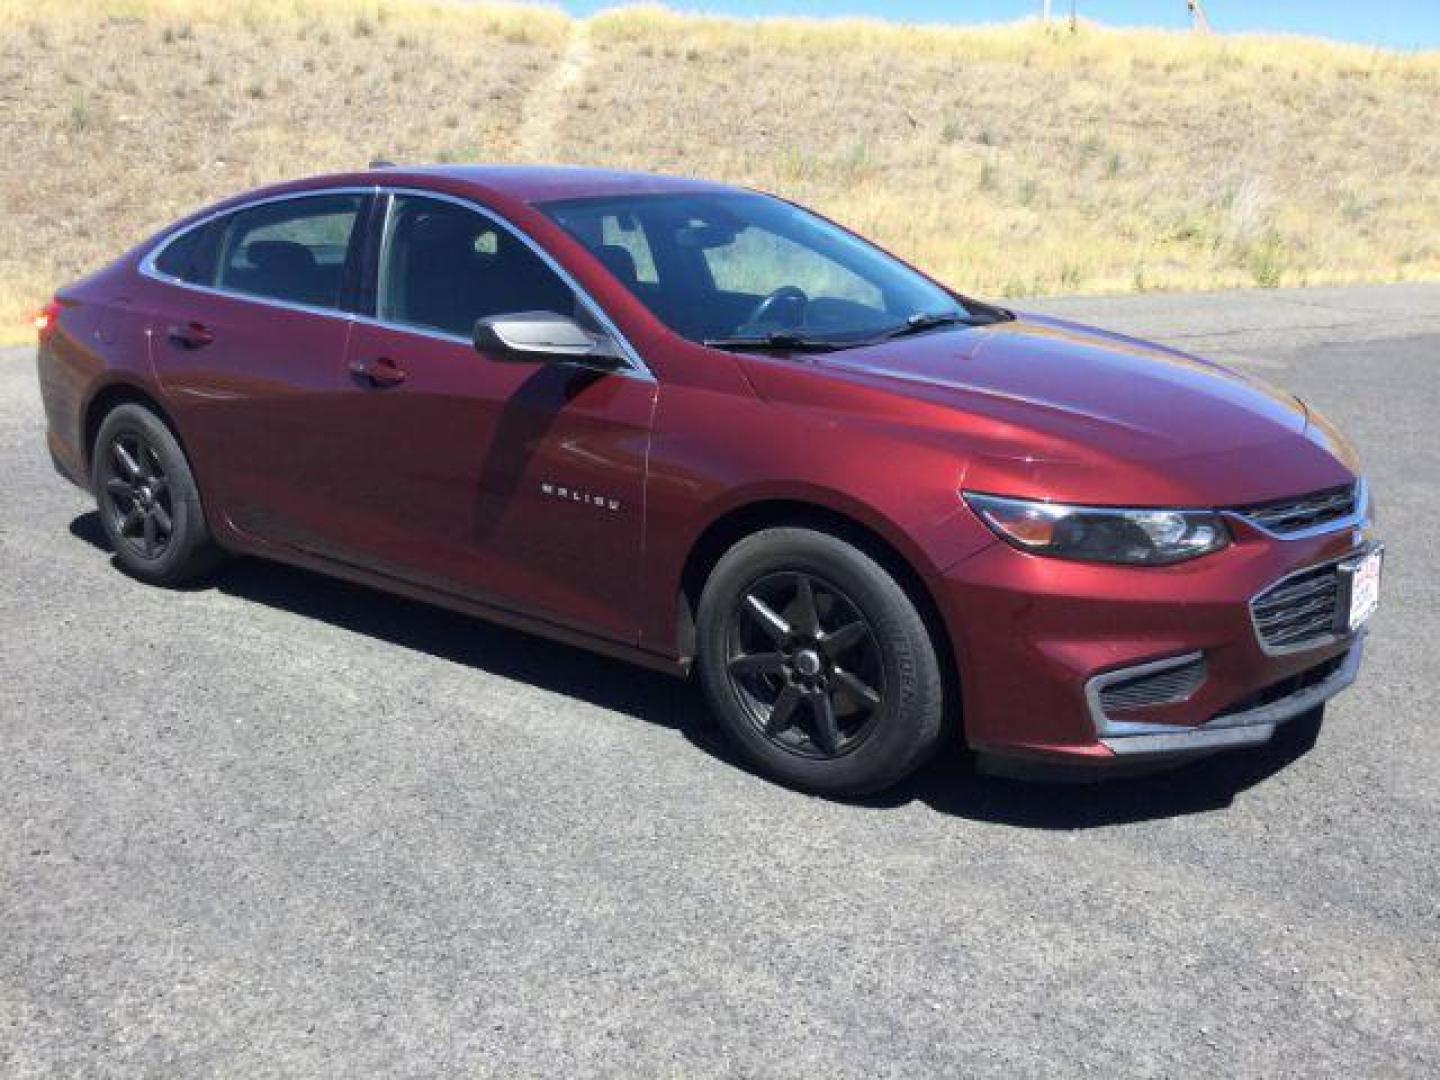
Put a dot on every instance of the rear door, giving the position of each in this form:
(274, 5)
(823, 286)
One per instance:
(249, 343)
(518, 484)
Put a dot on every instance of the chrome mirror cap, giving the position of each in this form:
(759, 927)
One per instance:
(540, 336)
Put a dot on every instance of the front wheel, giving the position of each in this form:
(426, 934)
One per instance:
(817, 663)
(149, 504)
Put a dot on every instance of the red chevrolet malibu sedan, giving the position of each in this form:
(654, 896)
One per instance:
(695, 426)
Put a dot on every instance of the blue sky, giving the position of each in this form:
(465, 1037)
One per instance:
(1401, 24)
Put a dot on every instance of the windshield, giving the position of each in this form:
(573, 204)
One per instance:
(734, 267)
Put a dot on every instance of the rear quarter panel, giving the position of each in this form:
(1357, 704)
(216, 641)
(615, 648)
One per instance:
(100, 340)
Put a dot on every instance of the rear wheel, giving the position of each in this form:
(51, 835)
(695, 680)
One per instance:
(817, 664)
(149, 504)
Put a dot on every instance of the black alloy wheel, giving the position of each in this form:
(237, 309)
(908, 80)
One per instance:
(817, 663)
(805, 662)
(136, 494)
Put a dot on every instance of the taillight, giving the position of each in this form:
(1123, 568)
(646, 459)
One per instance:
(46, 318)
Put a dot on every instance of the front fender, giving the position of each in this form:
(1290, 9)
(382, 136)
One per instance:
(715, 455)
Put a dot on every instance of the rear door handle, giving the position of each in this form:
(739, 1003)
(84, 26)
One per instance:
(381, 371)
(191, 335)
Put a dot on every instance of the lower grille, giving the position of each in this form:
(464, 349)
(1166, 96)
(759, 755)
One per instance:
(1288, 687)
(1299, 611)
(1158, 688)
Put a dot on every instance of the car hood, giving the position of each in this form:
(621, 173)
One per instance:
(1058, 410)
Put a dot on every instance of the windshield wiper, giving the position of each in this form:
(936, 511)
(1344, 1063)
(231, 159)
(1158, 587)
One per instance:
(926, 320)
(779, 341)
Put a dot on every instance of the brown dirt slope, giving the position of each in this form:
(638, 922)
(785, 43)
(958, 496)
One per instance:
(1007, 160)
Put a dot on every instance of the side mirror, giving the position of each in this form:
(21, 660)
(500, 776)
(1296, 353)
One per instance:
(544, 337)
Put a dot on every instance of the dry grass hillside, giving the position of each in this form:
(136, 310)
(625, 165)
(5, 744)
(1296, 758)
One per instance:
(1008, 160)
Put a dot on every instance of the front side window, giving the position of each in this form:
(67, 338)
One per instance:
(445, 267)
(295, 250)
(732, 264)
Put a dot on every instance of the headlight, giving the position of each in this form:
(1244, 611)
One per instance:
(1100, 534)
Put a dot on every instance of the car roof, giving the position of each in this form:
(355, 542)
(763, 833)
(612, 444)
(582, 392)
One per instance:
(541, 183)
(522, 183)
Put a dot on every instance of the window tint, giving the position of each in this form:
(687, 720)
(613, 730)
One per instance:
(191, 256)
(294, 250)
(445, 267)
(723, 264)
(758, 262)
(618, 241)
(622, 233)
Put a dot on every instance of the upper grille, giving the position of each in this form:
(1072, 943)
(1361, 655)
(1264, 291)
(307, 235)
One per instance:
(1299, 610)
(1286, 516)
(1157, 688)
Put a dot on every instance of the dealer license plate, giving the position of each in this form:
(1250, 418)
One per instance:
(1364, 577)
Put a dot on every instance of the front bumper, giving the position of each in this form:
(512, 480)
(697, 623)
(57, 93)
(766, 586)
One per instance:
(1244, 727)
(1038, 641)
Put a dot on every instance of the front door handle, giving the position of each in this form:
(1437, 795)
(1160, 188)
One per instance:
(381, 371)
(191, 335)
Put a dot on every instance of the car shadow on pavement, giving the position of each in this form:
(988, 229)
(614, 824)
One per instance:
(950, 784)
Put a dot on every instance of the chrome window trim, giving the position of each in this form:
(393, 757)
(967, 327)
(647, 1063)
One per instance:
(382, 250)
(636, 367)
(148, 268)
(1357, 518)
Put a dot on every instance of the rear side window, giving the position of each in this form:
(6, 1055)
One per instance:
(444, 267)
(190, 257)
(294, 250)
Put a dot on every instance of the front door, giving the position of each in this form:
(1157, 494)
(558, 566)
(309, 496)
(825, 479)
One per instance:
(517, 484)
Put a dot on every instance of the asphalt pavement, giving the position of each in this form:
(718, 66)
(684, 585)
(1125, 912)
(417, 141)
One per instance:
(283, 826)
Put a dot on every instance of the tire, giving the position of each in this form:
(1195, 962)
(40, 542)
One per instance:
(766, 692)
(149, 504)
